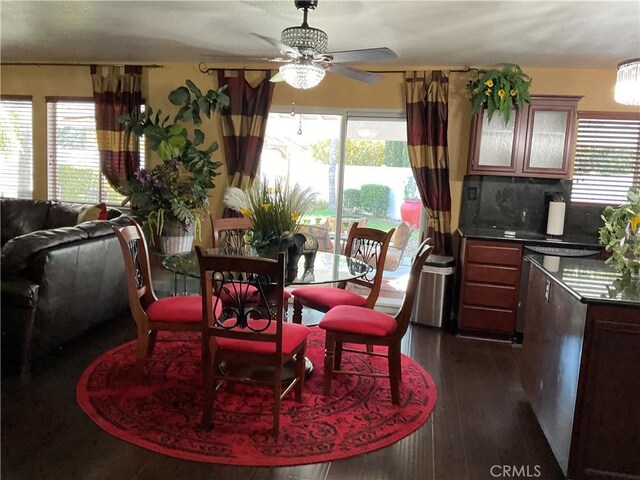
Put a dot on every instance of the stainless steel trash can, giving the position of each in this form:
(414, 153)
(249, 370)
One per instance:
(433, 298)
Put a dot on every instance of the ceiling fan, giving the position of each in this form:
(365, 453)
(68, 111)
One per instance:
(305, 59)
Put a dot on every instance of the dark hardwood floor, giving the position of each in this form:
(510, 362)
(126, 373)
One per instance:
(481, 419)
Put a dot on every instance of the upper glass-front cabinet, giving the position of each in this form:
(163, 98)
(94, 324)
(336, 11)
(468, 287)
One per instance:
(538, 141)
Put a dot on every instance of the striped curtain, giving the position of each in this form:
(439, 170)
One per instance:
(244, 124)
(427, 123)
(116, 92)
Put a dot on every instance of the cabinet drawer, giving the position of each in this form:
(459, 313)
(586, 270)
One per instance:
(500, 275)
(501, 296)
(494, 253)
(479, 318)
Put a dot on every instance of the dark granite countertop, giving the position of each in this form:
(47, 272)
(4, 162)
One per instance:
(531, 238)
(589, 280)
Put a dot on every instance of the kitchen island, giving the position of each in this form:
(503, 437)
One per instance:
(581, 365)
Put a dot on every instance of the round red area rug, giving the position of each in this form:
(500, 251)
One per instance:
(163, 412)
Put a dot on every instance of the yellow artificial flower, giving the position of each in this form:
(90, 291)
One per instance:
(487, 92)
(489, 83)
(295, 216)
(245, 212)
(266, 206)
(635, 221)
(513, 92)
(501, 93)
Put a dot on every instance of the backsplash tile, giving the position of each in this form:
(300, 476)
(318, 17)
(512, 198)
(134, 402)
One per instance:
(522, 204)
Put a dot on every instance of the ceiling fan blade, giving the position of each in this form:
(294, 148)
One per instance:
(240, 59)
(366, 77)
(363, 55)
(284, 49)
(277, 78)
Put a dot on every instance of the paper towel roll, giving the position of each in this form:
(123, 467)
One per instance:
(555, 222)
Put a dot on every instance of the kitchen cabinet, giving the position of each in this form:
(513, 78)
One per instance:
(489, 287)
(580, 368)
(538, 141)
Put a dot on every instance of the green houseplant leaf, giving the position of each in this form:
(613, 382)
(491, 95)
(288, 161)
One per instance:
(499, 91)
(175, 189)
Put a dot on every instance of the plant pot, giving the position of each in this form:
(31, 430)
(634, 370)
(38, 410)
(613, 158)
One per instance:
(410, 212)
(176, 238)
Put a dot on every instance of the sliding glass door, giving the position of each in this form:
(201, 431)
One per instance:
(359, 166)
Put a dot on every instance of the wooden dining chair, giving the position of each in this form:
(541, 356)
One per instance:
(365, 244)
(229, 232)
(358, 325)
(248, 332)
(151, 314)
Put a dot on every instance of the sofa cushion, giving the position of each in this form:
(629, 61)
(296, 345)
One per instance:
(17, 251)
(62, 215)
(20, 216)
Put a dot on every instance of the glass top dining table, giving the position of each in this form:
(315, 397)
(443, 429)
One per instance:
(326, 267)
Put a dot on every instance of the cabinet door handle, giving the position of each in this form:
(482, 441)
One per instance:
(547, 290)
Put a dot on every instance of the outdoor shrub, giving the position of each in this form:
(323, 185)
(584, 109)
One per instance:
(352, 199)
(395, 154)
(322, 205)
(410, 188)
(375, 199)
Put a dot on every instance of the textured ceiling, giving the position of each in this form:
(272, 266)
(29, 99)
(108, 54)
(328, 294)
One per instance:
(535, 34)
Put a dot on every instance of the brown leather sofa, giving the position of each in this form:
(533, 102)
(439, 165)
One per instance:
(59, 278)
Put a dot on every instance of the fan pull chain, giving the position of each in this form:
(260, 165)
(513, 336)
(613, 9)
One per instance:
(300, 126)
(293, 109)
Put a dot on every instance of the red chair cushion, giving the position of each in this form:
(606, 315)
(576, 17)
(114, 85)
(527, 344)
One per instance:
(183, 308)
(329, 297)
(233, 290)
(292, 336)
(287, 295)
(358, 320)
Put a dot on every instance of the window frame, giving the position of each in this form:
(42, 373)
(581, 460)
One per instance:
(51, 149)
(24, 98)
(605, 115)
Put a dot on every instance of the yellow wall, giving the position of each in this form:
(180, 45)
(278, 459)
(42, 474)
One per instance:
(596, 86)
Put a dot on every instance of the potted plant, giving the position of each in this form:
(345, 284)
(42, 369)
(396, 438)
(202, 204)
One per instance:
(499, 91)
(172, 196)
(273, 210)
(411, 207)
(621, 235)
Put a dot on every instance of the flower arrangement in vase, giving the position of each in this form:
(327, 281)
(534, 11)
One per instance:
(273, 210)
(621, 235)
(499, 91)
(175, 190)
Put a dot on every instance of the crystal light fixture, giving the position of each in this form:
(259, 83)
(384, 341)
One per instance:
(628, 82)
(307, 40)
(302, 74)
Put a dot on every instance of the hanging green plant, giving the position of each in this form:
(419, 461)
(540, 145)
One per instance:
(499, 90)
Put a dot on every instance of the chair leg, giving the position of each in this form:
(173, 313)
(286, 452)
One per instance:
(142, 352)
(394, 373)
(277, 393)
(205, 359)
(210, 385)
(297, 311)
(300, 364)
(153, 337)
(329, 359)
(337, 364)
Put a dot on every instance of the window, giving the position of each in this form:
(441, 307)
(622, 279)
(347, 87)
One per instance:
(74, 162)
(16, 148)
(607, 160)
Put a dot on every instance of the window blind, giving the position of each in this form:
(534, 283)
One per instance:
(75, 174)
(607, 161)
(16, 149)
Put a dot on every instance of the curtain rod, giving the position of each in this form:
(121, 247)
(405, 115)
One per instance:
(78, 64)
(209, 70)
